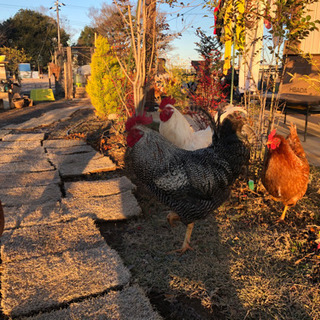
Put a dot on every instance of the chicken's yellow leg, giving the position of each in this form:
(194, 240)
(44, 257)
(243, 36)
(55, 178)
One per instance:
(186, 242)
(283, 214)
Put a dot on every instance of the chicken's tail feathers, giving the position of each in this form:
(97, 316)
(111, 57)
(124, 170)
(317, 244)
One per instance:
(248, 132)
(227, 110)
(234, 124)
(293, 135)
(295, 142)
(293, 128)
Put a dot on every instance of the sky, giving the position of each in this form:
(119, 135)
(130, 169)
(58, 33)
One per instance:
(75, 16)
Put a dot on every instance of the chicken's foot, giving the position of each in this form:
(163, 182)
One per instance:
(172, 217)
(186, 243)
(281, 219)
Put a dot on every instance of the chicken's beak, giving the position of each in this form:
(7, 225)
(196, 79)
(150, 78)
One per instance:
(268, 143)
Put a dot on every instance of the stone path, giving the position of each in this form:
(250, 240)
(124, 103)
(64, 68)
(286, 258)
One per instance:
(55, 263)
(46, 119)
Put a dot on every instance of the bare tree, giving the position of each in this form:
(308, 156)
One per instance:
(108, 22)
(137, 33)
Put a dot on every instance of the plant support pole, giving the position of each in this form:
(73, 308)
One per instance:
(232, 75)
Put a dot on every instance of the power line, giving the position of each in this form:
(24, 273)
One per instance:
(26, 6)
(11, 5)
(187, 13)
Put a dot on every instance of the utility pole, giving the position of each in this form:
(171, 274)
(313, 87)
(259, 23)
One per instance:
(58, 53)
(58, 5)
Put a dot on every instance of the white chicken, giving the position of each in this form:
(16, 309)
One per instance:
(176, 128)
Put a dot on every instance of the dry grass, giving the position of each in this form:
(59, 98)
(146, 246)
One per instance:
(245, 265)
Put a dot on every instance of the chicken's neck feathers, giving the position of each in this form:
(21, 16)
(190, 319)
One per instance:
(284, 152)
(177, 129)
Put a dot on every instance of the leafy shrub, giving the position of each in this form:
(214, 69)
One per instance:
(105, 85)
(171, 83)
(211, 86)
(14, 56)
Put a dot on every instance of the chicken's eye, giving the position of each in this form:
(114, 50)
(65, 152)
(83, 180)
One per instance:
(275, 143)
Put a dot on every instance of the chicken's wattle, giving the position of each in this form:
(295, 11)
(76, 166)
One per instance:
(166, 114)
(133, 137)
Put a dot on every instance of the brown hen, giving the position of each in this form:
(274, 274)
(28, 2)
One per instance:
(286, 171)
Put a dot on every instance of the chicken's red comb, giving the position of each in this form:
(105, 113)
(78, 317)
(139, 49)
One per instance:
(272, 134)
(139, 119)
(165, 101)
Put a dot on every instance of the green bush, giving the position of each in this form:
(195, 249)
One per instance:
(105, 85)
(14, 56)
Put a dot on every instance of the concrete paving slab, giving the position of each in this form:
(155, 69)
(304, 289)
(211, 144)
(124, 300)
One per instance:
(32, 151)
(130, 303)
(47, 118)
(30, 195)
(35, 214)
(73, 165)
(3, 133)
(115, 207)
(26, 179)
(20, 144)
(70, 150)
(52, 280)
(24, 137)
(23, 156)
(75, 158)
(62, 143)
(36, 241)
(26, 166)
(100, 188)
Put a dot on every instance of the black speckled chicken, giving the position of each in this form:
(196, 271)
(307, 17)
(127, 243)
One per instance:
(191, 183)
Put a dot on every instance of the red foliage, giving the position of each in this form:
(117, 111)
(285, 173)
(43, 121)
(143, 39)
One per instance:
(210, 90)
(126, 109)
(77, 136)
